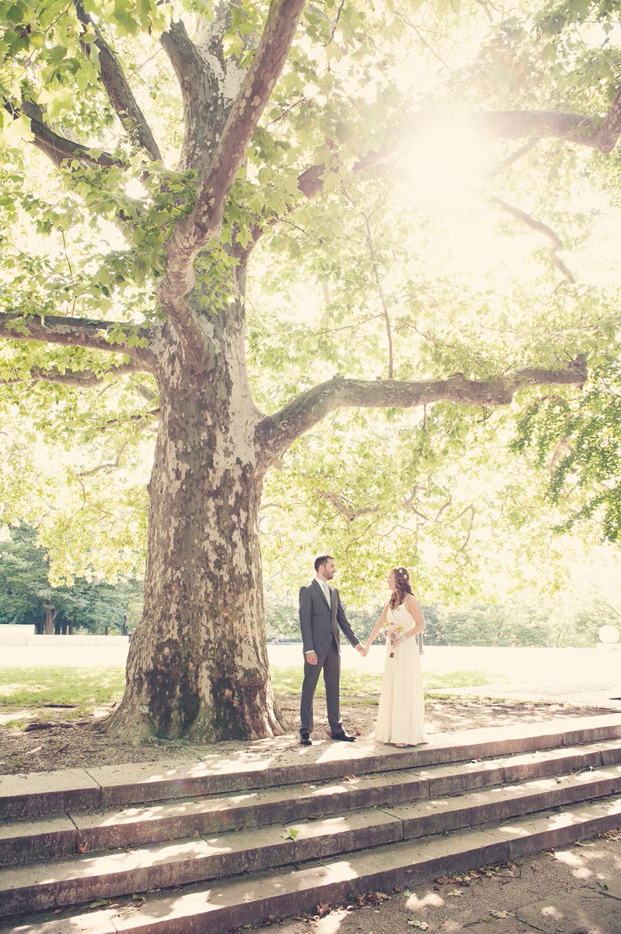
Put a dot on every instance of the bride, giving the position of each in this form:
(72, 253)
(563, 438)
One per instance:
(401, 714)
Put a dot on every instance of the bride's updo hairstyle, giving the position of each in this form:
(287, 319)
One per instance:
(402, 580)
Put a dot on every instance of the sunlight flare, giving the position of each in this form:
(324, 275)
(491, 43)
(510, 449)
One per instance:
(447, 161)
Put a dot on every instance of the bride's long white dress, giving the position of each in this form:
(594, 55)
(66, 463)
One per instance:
(401, 714)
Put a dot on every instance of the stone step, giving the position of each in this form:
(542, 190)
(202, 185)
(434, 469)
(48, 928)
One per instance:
(48, 884)
(49, 793)
(80, 832)
(234, 903)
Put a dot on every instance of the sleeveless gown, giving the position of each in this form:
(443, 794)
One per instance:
(401, 714)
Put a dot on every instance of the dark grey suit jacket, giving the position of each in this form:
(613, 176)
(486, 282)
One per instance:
(319, 622)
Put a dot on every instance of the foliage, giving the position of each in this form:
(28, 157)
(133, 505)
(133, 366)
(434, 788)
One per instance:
(26, 593)
(579, 441)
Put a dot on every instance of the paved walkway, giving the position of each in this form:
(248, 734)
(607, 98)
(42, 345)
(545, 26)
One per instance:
(576, 890)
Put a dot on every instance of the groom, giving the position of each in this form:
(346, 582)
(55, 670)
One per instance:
(321, 614)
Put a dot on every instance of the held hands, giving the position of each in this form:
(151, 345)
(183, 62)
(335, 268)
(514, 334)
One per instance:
(362, 649)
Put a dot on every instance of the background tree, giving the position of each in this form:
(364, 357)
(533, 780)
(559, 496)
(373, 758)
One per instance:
(298, 125)
(26, 595)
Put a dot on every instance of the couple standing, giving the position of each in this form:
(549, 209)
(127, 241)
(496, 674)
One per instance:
(400, 719)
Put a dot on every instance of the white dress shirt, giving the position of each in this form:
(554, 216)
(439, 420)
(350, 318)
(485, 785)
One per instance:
(326, 590)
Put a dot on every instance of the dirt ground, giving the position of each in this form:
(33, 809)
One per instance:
(65, 745)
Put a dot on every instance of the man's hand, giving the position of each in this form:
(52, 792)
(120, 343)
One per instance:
(360, 648)
(311, 658)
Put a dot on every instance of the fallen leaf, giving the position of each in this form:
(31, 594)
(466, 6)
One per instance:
(420, 925)
(499, 914)
(454, 893)
(99, 902)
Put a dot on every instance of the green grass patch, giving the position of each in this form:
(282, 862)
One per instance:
(288, 681)
(87, 688)
(459, 679)
(353, 683)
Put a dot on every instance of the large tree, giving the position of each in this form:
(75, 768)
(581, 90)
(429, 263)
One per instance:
(279, 116)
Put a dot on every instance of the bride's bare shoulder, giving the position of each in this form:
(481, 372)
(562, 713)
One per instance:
(411, 602)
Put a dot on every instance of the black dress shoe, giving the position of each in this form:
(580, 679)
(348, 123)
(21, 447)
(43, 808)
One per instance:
(344, 737)
(305, 739)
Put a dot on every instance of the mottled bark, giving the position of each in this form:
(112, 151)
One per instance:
(197, 666)
(209, 82)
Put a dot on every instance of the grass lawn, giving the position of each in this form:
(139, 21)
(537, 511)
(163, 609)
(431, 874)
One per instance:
(82, 690)
(48, 690)
(357, 684)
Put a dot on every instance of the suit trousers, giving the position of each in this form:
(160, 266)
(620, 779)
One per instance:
(330, 664)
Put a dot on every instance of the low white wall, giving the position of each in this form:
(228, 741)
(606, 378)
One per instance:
(28, 637)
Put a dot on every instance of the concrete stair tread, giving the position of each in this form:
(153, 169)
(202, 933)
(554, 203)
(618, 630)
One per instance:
(268, 765)
(234, 902)
(187, 816)
(238, 841)
(159, 865)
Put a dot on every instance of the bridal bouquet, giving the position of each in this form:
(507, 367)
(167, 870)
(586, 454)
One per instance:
(393, 631)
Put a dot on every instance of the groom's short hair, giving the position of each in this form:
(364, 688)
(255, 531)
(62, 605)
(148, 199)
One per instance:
(322, 559)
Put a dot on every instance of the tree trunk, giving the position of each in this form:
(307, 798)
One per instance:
(50, 616)
(197, 666)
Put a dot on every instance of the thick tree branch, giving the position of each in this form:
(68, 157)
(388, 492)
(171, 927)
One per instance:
(72, 378)
(197, 83)
(277, 432)
(72, 332)
(57, 148)
(594, 132)
(117, 88)
(195, 230)
(539, 227)
(183, 55)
